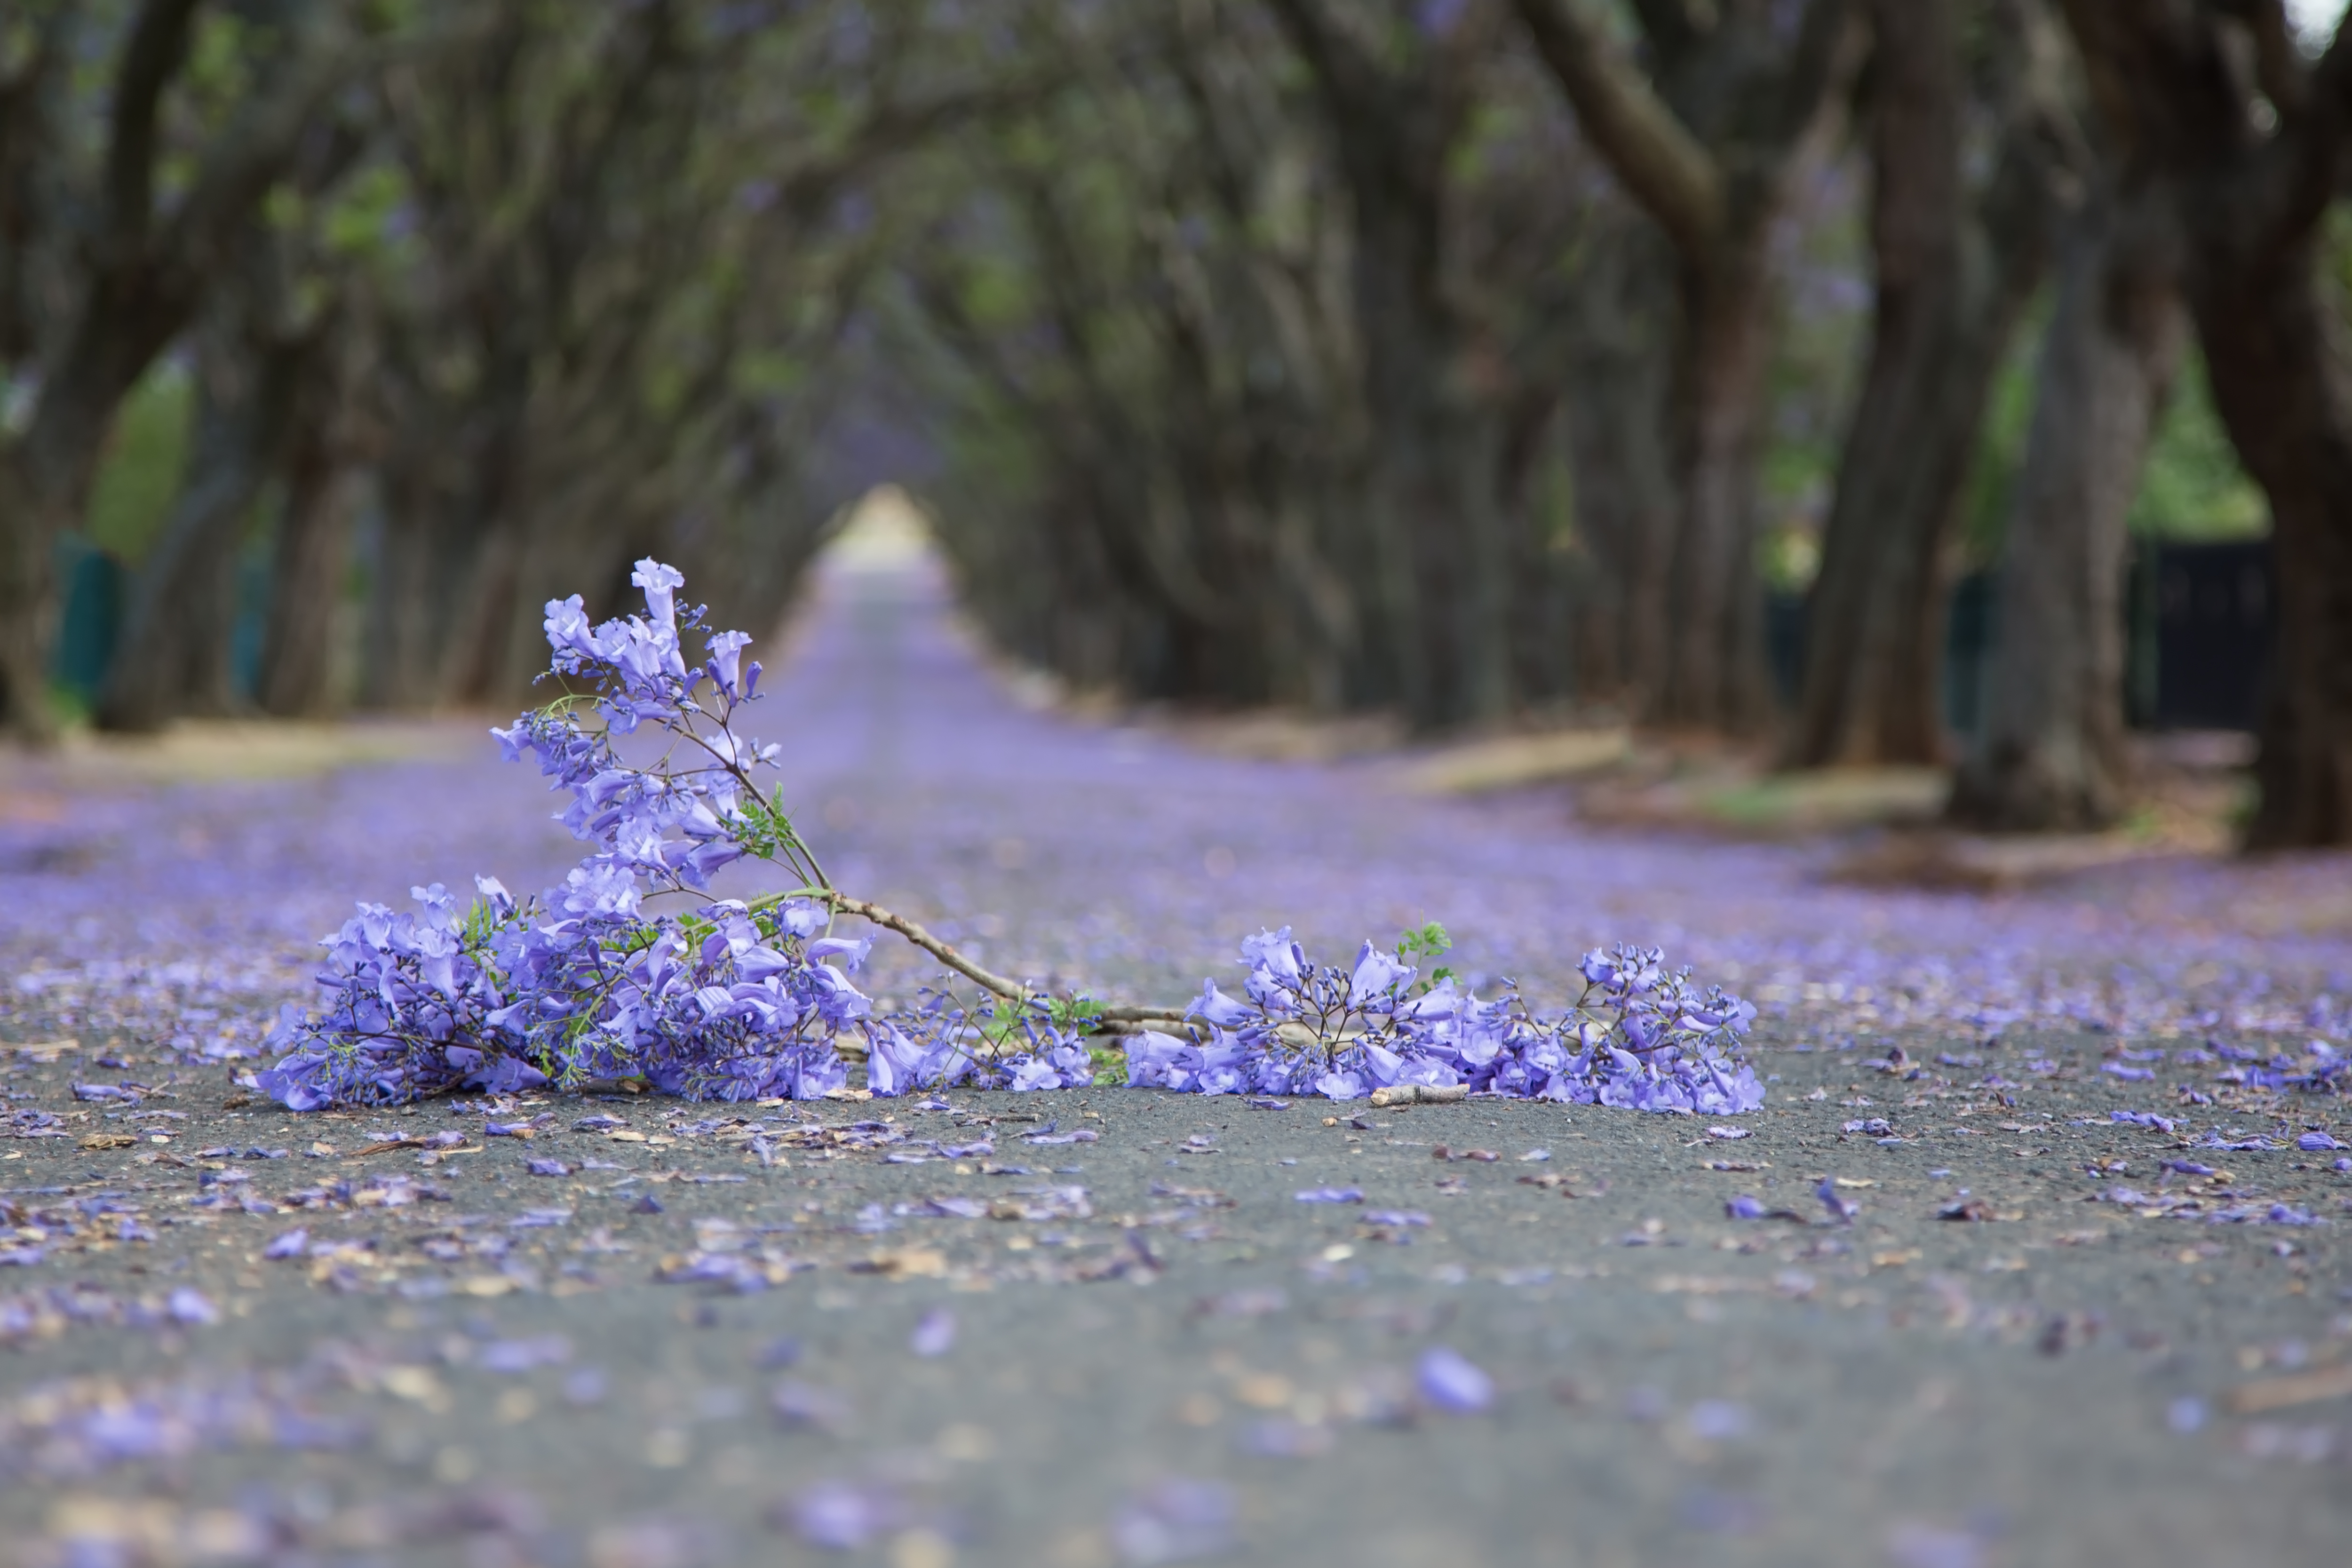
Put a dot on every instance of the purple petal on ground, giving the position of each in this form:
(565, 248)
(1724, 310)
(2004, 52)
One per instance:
(547, 1167)
(523, 1355)
(188, 1305)
(1332, 1196)
(1450, 1382)
(1743, 1206)
(288, 1243)
(1913, 1544)
(1720, 1420)
(798, 1403)
(935, 1335)
(842, 1516)
(1280, 1437)
(1175, 1521)
(2313, 1142)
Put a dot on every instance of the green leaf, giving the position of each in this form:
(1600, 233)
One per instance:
(1428, 941)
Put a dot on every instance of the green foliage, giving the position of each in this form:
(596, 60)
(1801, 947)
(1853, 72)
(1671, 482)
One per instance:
(2193, 486)
(70, 706)
(138, 473)
(1426, 940)
(1110, 1065)
(768, 830)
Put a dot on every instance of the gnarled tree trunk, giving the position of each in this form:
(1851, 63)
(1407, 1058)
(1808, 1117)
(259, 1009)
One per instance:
(1706, 140)
(1954, 272)
(2244, 142)
(173, 654)
(2051, 754)
(2276, 352)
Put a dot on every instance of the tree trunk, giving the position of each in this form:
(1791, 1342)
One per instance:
(45, 480)
(2276, 352)
(1708, 149)
(306, 584)
(1613, 419)
(2245, 141)
(2051, 754)
(1953, 276)
(27, 604)
(1714, 623)
(173, 654)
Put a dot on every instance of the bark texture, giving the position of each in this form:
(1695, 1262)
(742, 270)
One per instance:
(1955, 266)
(1706, 142)
(2243, 143)
(2051, 753)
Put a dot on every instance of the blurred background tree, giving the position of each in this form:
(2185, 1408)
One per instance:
(1822, 373)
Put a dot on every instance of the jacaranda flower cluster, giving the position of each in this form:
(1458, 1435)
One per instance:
(1641, 1036)
(744, 999)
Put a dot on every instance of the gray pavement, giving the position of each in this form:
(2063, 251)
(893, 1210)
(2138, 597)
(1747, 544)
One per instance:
(1669, 1385)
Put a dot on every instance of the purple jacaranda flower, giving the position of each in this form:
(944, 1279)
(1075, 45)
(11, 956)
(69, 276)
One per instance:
(1841, 1209)
(548, 1167)
(1280, 1437)
(1332, 1196)
(2316, 1141)
(1912, 1544)
(1743, 1206)
(2131, 1074)
(2142, 1119)
(1720, 1420)
(842, 1516)
(1377, 978)
(523, 1355)
(600, 1123)
(1175, 1521)
(1398, 1219)
(1219, 1009)
(288, 1244)
(935, 1335)
(798, 1403)
(726, 660)
(1449, 1382)
(189, 1305)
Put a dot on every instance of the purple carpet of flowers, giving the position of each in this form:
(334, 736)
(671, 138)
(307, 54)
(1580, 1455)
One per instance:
(1104, 860)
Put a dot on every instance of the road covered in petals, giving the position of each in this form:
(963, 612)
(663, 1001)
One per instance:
(2035, 1253)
